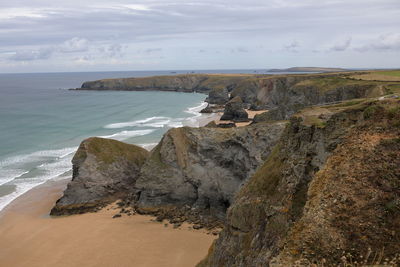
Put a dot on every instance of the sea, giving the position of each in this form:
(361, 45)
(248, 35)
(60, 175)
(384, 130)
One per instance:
(42, 122)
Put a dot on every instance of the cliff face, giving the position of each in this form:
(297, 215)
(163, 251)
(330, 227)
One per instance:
(217, 85)
(330, 186)
(103, 171)
(288, 93)
(204, 167)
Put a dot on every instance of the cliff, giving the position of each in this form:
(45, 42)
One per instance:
(288, 93)
(308, 69)
(104, 170)
(329, 192)
(204, 167)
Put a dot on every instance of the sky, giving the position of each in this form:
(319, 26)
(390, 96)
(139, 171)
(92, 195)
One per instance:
(98, 35)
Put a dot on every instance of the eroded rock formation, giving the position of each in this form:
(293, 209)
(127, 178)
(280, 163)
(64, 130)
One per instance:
(234, 111)
(204, 167)
(103, 170)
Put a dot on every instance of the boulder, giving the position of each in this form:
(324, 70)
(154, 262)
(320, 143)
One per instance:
(104, 170)
(234, 111)
(218, 95)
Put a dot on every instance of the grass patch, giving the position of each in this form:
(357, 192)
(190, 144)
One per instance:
(394, 73)
(267, 177)
(393, 88)
(349, 103)
(315, 121)
(108, 151)
(370, 111)
(325, 84)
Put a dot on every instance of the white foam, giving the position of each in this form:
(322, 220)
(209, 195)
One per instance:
(9, 175)
(134, 123)
(158, 124)
(57, 162)
(38, 155)
(17, 166)
(128, 134)
(196, 110)
(194, 121)
(20, 189)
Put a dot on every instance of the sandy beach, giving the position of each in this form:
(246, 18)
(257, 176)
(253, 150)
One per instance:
(29, 237)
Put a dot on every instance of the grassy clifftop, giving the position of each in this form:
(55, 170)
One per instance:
(107, 151)
(329, 189)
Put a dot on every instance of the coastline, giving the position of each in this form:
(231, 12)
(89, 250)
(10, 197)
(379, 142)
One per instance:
(126, 241)
(195, 119)
(30, 237)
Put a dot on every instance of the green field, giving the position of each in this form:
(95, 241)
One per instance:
(395, 73)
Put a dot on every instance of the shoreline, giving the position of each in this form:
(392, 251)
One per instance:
(196, 119)
(46, 241)
(30, 237)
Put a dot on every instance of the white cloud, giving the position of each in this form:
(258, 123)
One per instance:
(139, 7)
(12, 13)
(75, 44)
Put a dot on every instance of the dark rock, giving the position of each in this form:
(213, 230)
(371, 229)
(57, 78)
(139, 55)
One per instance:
(203, 167)
(226, 125)
(207, 109)
(197, 226)
(177, 225)
(104, 170)
(218, 96)
(116, 216)
(234, 111)
(213, 109)
(211, 124)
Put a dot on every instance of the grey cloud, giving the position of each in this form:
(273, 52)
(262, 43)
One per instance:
(292, 47)
(152, 50)
(164, 19)
(239, 50)
(385, 42)
(342, 46)
(29, 55)
(96, 27)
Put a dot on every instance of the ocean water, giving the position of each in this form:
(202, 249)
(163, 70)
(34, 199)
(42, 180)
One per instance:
(42, 123)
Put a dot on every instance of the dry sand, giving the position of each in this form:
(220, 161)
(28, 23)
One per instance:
(29, 237)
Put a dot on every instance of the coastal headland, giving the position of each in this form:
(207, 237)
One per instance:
(312, 177)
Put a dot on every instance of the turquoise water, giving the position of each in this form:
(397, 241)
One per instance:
(42, 123)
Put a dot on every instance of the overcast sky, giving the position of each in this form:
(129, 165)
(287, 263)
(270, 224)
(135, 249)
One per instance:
(93, 35)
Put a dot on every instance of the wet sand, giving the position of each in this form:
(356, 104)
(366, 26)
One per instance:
(29, 237)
